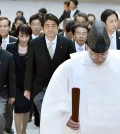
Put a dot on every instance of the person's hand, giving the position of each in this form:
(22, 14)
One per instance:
(73, 125)
(27, 94)
(11, 100)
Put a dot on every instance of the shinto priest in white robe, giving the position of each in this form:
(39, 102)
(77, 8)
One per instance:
(99, 111)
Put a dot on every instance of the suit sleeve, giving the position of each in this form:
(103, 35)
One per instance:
(11, 77)
(71, 48)
(29, 69)
(62, 17)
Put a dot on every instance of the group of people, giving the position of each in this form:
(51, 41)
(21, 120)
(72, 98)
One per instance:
(41, 64)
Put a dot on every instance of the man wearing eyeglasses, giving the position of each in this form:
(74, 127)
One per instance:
(96, 73)
(80, 32)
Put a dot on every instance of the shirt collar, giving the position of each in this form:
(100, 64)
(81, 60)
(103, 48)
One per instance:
(53, 41)
(34, 36)
(78, 46)
(6, 40)
(113, 35)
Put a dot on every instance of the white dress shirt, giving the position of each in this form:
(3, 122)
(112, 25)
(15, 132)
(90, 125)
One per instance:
(113, 44)
(54, 42)
(72, 13)
(34, 36)
(79, 48)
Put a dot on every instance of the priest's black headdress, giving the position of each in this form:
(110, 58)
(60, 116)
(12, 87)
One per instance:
(98, 39)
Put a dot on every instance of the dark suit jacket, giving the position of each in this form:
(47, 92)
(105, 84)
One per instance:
(40, 67)
(118, 39)
(61, 33)
(7, 79)
(63, 16)
(12, 39)
(20, 65)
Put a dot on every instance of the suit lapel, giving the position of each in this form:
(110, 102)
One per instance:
(59, 47)
(118, 39)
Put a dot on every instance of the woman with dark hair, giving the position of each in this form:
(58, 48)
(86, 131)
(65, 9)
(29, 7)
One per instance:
(19, 51)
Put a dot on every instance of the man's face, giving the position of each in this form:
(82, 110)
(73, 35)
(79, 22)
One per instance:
(97, 58)
(72, 5)
(80, 35)
(111, 24)
(4, 28)
(50, 29)
(36, 26)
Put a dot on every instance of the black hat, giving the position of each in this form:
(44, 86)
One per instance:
(98, 39)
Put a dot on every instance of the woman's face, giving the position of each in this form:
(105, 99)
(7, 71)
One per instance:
(23, 38)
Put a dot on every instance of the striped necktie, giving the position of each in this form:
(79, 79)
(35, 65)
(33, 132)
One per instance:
(50, 49)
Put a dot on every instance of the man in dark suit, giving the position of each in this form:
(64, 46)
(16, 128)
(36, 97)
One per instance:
(45, 54)
(7, 83)
(35, 24)
(69, 25)
(110, 20)
(5, 24)
(66, 8)
(6, 39)
(80, 33)
(73, 9)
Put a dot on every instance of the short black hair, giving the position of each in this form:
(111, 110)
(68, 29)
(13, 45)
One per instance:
(75, 2)
(106, 13)
(43, 11)
(5, 18)
(81, 14)
(22, 18)
(49, 16)
(69, 26)
(66, 2)
(90, 14)
(79, 25)
(20, 12)
(35, 17)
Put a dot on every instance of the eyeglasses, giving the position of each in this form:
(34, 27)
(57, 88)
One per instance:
(78, 33)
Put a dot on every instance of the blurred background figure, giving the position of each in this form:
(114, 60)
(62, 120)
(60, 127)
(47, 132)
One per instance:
(91, 19)
(81, 18)
(72, 9)
(43, 11)
(68, 26)
(18, 20)
(18, 14)
(66, 8)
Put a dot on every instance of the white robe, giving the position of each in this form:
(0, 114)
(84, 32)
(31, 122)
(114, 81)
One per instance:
(99, 85)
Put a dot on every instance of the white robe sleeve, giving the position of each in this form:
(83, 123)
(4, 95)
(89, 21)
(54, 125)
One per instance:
(56, 107)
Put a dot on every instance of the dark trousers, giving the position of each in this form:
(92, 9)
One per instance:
(8, 116)
(38, 99)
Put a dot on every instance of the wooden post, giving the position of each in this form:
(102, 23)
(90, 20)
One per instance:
(75, 104)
